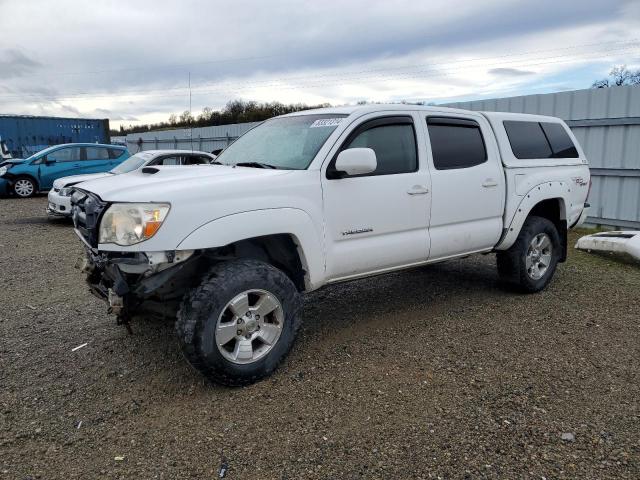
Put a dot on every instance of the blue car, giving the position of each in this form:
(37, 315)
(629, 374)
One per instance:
(26, 177)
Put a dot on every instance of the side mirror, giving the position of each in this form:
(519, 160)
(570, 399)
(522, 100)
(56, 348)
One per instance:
(356, 161)
(48, 161)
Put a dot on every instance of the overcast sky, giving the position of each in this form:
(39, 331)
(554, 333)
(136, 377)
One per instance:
(130, 60)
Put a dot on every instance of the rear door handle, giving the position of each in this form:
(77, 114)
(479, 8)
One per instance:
(418, 190)
(489, 182)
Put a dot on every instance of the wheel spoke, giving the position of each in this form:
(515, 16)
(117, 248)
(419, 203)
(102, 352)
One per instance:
(240, 305)
(243, 350)
(268, 333)
(226, 332)
(545, 260)
(265, 305)
(545, 242)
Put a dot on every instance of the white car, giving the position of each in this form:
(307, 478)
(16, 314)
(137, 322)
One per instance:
(59, 201)
(325, 196)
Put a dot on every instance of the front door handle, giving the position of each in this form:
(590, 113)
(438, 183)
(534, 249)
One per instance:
(418, 190)
(489, 182)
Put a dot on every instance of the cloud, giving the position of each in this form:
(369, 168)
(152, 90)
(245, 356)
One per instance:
(14, 63)
(112, 65)
(511, 72)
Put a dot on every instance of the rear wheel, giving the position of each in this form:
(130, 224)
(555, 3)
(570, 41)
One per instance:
(24, 187)
(240, 322)
(531, 261)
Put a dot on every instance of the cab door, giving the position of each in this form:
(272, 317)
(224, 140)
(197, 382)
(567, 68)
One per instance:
(378, 221)
(468, 185)
(60, 163)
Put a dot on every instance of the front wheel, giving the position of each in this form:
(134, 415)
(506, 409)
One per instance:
(531, 261)
(24, 187)
(240, 322)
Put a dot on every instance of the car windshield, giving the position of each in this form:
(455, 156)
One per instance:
(289, 143)
(132, 163)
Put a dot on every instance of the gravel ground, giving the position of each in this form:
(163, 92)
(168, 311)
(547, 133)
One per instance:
(431, 373)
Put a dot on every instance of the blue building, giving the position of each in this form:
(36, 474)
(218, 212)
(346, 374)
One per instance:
(24, 135)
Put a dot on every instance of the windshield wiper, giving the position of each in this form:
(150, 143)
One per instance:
(255, 165)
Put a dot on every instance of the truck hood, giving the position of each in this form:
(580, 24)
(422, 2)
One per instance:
(172, 183)
(74, 179)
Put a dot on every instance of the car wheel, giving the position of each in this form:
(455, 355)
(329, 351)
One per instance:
(240, 322)
(24, 187)
(531, 261)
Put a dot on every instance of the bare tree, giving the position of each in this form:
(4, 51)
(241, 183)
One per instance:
(619, 76)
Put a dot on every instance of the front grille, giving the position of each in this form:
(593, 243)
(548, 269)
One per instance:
(87, 208)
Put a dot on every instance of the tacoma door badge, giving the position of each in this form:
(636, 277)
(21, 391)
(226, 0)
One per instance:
(355, 231)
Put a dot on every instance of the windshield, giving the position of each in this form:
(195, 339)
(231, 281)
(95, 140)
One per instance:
(289, 143)
(132, 163)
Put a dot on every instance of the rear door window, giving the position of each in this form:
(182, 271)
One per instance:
(456, 143)
(560, 141)
(115, 153)
(97, 153)
(171, 160)
(527, 140)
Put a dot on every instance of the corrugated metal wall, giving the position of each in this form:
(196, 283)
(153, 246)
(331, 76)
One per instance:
(205, 139)
(606, 122)
(25, 135)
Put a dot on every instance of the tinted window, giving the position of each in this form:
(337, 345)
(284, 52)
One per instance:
(97, 153)
(115, 153)
(527, 140)
(168, 161)
(196, 160)
(71, 154)
(456, 143)
(395, 147)
(560, 141)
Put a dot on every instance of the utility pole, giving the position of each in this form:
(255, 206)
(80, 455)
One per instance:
(190, 114)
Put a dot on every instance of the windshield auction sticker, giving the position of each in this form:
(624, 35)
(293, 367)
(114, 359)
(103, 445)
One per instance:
(326, 122)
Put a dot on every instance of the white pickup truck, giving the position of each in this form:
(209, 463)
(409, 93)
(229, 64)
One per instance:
(320, 197)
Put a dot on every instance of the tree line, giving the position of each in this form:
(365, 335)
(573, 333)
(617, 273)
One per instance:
(235, 111)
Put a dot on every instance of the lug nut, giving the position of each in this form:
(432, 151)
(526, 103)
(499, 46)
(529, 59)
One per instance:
(239, 332)
(239, 321)
(257, 317)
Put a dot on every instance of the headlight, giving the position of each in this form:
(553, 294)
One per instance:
(3, 170)
(131, 223)
(65, 192)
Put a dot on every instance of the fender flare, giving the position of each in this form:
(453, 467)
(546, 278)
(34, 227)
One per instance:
(549, 190)
(259, 223)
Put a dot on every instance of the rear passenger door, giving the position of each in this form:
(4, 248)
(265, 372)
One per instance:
(468, 186)
(96, 160)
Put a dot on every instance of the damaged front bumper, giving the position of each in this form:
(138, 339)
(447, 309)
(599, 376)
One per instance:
(124, 280)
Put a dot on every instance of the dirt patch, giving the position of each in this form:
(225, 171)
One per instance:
(435, 372)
